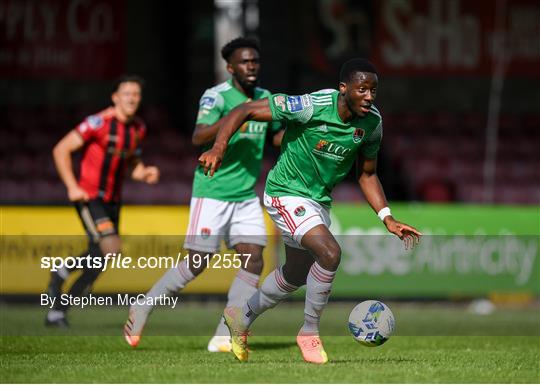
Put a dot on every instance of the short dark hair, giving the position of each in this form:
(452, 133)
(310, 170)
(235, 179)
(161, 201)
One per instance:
(126, 78)
(355, 65)
(239, 42)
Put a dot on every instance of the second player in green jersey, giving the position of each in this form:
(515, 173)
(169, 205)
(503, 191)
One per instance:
(224, 208)
(242, 161)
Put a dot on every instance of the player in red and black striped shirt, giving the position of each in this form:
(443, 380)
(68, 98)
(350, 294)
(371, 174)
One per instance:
(111, 144)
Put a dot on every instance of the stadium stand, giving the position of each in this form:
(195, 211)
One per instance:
(441, 155)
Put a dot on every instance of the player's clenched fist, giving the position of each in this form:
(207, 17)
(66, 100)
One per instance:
(151, 175)
(77, 194)
(146, 174)
(211, 160)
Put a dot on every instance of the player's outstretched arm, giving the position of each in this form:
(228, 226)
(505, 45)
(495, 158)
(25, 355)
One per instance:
(62, 160)
(371, 188)
(258, 110)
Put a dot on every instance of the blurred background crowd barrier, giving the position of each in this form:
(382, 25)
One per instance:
(459, 85)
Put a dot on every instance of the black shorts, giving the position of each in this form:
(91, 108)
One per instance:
(100, 219)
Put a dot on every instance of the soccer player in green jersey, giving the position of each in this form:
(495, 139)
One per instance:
(225, 207)
(327, 131)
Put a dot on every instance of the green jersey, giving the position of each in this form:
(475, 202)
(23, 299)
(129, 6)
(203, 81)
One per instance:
(318, 148)
(241, 165)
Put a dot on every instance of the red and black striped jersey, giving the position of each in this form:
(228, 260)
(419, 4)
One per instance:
(109, 146)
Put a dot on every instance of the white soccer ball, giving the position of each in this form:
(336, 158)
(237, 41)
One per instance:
(371, 323)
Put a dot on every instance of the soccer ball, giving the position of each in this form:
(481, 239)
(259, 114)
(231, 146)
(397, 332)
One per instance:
(371, 323)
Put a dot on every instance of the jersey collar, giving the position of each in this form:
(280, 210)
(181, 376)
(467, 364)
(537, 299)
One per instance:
(255, 93)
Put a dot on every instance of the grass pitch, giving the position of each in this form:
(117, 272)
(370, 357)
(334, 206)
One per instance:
(432, 344)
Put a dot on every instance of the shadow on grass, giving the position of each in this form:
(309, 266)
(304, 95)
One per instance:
(378, 361)
(271, 345)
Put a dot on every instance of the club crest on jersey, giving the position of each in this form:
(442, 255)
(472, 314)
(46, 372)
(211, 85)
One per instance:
(95, 121)
(279, 101)
(358, 135)
(205, 232)
(299, 211)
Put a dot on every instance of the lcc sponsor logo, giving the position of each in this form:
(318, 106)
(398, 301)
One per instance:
(253, 128)
(334, 150)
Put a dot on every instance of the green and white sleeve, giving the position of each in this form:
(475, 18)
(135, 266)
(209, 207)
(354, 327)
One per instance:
(210, 107)
(297, 108)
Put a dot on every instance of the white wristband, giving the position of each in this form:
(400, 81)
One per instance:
(383, 213)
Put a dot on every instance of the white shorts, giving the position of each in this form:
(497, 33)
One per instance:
(295, 216)
(212, 220)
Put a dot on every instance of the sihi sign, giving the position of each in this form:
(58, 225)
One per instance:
(442, 36)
